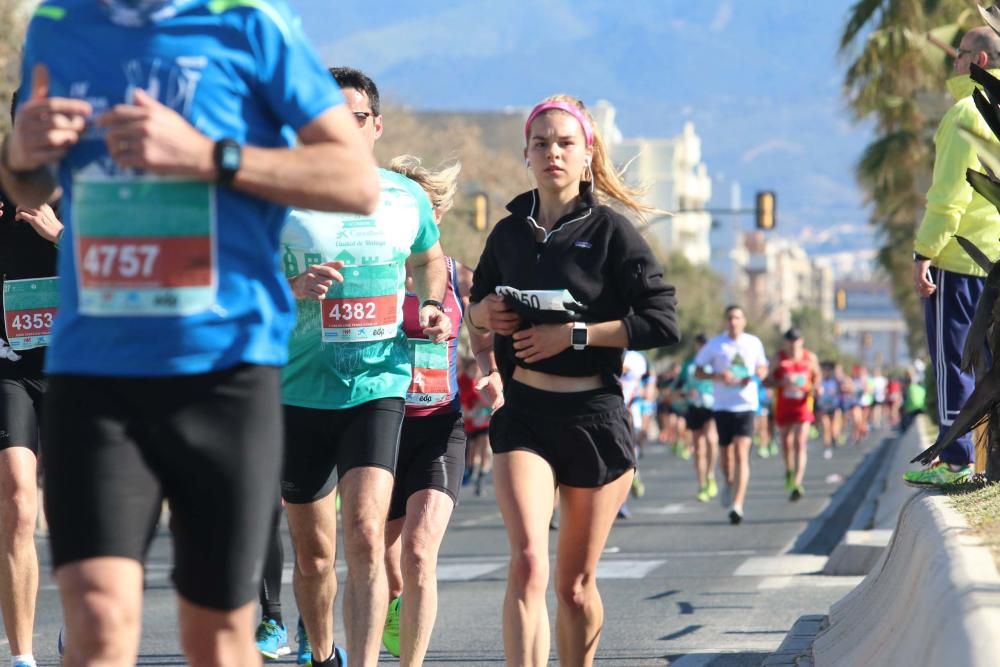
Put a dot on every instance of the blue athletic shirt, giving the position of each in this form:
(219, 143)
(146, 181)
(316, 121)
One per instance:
(165, 276)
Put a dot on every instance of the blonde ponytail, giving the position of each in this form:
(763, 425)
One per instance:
(440, 186)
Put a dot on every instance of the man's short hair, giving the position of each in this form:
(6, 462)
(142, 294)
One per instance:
(733, 306)
(989, 42)
(348, 77)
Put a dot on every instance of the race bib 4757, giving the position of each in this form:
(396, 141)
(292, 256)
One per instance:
(145, 246)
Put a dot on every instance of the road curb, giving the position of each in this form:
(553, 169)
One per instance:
(871, 528)
(932, 599)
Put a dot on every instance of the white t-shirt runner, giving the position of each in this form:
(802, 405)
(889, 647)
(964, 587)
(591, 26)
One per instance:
(742, 357)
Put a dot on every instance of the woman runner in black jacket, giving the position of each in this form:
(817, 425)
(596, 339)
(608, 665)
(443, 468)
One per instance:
(566, 283)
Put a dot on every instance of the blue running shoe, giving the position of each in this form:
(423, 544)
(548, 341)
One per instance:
(341, 655)
(272, 639)
(305, 654)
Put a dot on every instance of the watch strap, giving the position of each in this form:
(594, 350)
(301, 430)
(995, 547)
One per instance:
(433, 302)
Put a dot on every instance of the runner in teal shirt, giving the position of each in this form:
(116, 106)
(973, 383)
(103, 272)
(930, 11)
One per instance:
(350, 348)
(344, 388)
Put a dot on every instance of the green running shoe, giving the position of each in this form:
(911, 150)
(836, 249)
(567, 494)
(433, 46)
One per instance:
(703, 496)
(390, 634)
(685, 453)
(789, 480)
(638, 489)
(773, 449)
(938, 475)
(272, 639)
(712, 488)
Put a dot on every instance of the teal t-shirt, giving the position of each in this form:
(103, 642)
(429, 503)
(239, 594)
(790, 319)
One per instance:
(699, 391)
(350, 348)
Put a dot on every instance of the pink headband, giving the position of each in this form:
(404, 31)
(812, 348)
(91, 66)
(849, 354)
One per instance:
(571, 109)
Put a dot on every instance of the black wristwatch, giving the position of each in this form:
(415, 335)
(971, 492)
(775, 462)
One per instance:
(433, 302)
(228, 156)
(917, 257)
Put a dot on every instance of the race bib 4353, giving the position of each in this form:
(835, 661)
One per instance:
(145, 246)
(29, 307)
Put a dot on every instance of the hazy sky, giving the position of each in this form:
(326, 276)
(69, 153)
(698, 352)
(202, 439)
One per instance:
(761, 79)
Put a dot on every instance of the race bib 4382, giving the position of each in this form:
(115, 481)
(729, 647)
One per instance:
(365, 307)
(29, 307)
(145, 246)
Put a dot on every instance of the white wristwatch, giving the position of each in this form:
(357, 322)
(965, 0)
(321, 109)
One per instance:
(578, 337)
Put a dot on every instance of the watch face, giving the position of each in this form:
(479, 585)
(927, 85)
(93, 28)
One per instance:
(231, 158)
(579, 337)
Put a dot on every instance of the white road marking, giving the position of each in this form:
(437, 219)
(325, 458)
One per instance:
(776, 566)
(626, 569)
(807, 581)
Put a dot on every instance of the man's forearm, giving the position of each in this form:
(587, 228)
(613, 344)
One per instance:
(321, 177)
(430, 278)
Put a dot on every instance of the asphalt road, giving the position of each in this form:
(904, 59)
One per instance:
(681, 586)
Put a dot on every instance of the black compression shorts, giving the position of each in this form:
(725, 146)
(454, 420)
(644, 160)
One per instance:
(730, 425)
(585, 436)
(698, 418)
(431, 456)
(322, 445)
(20, 412)
(210, 444)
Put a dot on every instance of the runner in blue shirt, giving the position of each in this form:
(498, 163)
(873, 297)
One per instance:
(169, 125)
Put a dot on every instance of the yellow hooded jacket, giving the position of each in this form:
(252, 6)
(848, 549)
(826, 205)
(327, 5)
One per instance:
(953, 207)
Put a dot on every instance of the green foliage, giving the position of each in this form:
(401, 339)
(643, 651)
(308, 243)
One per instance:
(818, 335)
(699, 301)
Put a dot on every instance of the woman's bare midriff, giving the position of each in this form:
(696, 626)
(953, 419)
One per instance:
(556, 383)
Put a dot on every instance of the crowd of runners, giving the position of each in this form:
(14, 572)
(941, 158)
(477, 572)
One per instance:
(215, 299)
(729, 398)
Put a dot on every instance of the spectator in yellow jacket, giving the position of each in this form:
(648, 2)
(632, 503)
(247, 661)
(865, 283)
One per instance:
(944, 275)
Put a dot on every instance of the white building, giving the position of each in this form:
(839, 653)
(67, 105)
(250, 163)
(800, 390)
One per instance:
(676, 180)
(778, 277)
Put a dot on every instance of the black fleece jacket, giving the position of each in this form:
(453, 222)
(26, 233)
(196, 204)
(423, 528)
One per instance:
(598, 255)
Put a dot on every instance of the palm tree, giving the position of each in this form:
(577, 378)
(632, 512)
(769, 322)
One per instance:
(895, 78)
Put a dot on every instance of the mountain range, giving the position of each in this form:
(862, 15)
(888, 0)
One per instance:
(760, 80)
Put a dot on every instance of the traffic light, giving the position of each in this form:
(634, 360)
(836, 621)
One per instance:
(840, 299)
(767, 208)
(481, 208)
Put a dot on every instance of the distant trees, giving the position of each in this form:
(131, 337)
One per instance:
(15, 15)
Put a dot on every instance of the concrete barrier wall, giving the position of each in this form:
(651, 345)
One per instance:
(932, 599)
